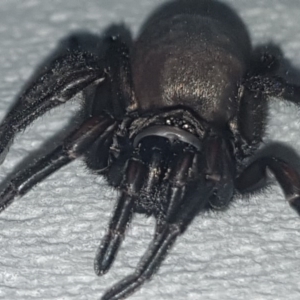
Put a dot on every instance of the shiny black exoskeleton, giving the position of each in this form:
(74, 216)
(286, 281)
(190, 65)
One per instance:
(173, 120)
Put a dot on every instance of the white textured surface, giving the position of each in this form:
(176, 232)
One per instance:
(49, 237)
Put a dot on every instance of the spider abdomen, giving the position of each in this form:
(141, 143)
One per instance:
(191, 59)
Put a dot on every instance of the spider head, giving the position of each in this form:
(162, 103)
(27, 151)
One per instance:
(178, 134)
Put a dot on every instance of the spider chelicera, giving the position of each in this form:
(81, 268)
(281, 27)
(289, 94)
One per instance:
(173, 120)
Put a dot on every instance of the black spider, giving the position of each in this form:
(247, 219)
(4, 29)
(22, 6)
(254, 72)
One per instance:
(173, 120)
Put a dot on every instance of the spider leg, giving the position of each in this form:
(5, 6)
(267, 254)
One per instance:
(266, 59)
(274, 86)
(74, 146)
(149, 264)
(174, 186)
(264, 75)
(160, 245)
(122, 216)
(140, 184)
(261, 83)
(68, 76)
(255, 176)
(141, 178)
(189, 195)
(249, 125)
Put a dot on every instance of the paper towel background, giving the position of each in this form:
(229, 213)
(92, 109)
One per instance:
(49, 237)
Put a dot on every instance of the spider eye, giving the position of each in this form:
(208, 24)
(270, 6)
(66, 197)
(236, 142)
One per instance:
(213, 177)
